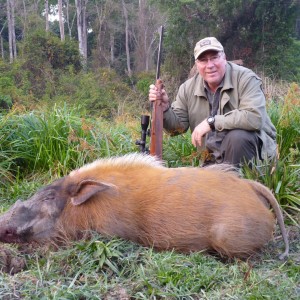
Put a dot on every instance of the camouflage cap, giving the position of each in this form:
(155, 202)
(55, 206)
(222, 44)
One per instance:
(208, 43)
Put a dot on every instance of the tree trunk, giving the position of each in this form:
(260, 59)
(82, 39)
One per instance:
(47, 15)
(11, 30)
(112, 47)
(69, 24)
(61, 21)
(2, 48)
(145, 35)
(125, 12)
(24, 19)
(84, 29)
(1, 37)
(81, 28)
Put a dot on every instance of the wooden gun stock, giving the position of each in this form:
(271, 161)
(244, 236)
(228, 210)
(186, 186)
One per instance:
(157, 124)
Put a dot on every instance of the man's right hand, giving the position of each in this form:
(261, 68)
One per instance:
(154, 95)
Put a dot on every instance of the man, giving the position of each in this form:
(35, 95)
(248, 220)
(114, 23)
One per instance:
(224, 106)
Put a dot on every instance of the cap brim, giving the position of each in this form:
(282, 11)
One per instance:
(209, 47)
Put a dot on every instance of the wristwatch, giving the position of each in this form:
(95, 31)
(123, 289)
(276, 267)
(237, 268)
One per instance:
(211, 122)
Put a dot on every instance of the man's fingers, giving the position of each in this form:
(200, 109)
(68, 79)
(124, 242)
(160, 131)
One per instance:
(152, 92)
(196, 140)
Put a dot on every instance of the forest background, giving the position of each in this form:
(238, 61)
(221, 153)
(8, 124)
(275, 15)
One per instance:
(58, 49)
(74, 80)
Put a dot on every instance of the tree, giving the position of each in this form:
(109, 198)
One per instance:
(47, 14)
(125, 12)
(61, 21)
(149, 19)
(11, 30)
(257, 31)
(82, 28)
(105, 24)
(70, 22)
(1, 41)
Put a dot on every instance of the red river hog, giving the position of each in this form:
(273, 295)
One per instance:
(136, 198)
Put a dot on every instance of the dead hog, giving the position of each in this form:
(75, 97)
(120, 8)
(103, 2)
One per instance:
(136, 198)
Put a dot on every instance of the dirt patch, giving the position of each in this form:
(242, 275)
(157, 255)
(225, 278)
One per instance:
(11, 261)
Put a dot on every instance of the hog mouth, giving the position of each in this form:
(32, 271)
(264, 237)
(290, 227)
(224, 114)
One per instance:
(10, 236)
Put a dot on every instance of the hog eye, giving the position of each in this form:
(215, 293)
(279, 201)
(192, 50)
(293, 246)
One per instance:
(49, 196)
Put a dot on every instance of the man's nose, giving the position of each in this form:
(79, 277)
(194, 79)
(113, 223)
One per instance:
(209, 63)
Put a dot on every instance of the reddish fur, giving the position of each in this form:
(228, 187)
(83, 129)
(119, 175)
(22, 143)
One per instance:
(187, 209)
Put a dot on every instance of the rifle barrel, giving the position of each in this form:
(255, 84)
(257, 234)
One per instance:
(159, 52)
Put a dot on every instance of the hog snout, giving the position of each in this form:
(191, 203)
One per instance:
(9, 235)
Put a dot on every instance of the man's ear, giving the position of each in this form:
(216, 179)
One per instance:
(86, 189)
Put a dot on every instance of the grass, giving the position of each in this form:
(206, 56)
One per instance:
(102, 268)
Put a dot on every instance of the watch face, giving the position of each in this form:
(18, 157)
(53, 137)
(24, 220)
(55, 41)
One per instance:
(210, 120)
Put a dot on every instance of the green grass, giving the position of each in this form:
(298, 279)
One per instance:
(101, 268)
(56, 141)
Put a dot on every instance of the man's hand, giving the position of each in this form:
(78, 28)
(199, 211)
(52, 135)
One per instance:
(200, 131)
(154, 95)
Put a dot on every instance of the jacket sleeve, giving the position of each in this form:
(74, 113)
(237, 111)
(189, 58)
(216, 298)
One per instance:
(250, 113)
(176, 119)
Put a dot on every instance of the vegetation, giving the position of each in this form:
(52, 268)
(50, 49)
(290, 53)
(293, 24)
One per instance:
(115, 269)
(123, 34)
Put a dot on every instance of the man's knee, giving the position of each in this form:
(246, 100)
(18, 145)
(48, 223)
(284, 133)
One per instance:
(239, 145)
(239, 138)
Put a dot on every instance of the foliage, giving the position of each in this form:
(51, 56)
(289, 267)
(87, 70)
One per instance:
(258, 32)
(40, 47)
(5, 102)
(144, 80)
(102, 92)
(286, 118)
(283, 176)
(57, 140)
(261, 32)
(44, 57)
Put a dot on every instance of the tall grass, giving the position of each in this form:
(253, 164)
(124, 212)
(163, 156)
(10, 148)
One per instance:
(57, 141)
(283, 175)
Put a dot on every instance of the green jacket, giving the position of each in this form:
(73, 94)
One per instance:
(242, 106)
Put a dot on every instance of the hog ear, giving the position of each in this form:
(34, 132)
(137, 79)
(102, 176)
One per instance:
(88, 188)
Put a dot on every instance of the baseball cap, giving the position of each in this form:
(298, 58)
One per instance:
(208, 43)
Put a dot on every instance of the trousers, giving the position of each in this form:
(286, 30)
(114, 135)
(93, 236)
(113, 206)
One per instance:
(239, 146)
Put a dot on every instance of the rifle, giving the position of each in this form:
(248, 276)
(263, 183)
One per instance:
(156, 131)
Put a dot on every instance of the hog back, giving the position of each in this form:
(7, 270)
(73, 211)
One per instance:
(187, 209)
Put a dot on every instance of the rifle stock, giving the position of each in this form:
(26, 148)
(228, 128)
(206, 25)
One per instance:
(156, 133)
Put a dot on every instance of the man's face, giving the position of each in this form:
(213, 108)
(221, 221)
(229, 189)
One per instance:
(211, 66)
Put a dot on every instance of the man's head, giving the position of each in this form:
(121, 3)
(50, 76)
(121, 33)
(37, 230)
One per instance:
(211, 61)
